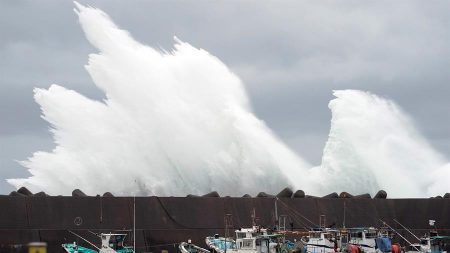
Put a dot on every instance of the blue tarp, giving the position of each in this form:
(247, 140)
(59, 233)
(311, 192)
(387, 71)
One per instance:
(383, 244)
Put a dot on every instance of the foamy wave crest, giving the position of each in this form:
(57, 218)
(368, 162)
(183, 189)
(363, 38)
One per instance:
(172, 123)
(179, 122)
(374, 145)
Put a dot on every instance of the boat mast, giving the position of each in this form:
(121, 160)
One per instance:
(343, 222)
(276, 214)
(134, 223)
(134, 218)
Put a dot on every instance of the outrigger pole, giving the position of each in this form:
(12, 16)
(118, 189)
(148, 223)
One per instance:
(407, 229)
(93, 245)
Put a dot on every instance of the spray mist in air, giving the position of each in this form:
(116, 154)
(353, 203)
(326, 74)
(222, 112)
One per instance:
(180, 122)
(172, 123)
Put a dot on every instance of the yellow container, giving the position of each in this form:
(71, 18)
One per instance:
(37, 247)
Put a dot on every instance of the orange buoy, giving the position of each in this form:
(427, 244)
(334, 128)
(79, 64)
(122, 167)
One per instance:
(354, 249)
(395, 248)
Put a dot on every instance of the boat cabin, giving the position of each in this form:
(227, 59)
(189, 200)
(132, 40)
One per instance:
(440, 244)
(322, 240)
(268, 244)
(363, 238)
(246, 237)
(113, 243)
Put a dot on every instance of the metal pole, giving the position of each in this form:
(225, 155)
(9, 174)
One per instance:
(343, 223)
(134, 223)
(79, 236)
(276, 214)
(407, 229)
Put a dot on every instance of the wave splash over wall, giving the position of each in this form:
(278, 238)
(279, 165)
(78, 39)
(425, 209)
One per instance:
(180, 122)
(172, 123)
(373, 145)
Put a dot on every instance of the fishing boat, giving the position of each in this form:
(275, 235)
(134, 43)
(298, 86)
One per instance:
(74, 248)
(273, 243)
(111, 243)
(368, 240)
(430, 244)
(424, 245)
(188, 247)
(250, 240)
(246, 237)
(322, 240)
(220, 244)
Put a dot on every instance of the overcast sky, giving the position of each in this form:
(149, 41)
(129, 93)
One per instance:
(289, 54)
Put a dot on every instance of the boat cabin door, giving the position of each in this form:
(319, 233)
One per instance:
(262, 245)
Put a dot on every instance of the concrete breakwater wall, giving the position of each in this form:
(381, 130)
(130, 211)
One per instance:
(162, 222)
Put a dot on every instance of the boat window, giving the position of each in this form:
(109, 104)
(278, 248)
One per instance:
(371, 235)
(424, 242)
(116, 242)
(247, 243)
(356, 235)
(240, 235)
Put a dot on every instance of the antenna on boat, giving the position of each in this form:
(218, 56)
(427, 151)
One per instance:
(134, 219)
(276, 213)
(228, 220)
(407, 229)
(343, 222)
(254, 217)
(79, 236)
(322, 221)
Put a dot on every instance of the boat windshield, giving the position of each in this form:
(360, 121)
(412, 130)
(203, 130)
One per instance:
(371, 235)
(328, 236)
(240, 235)
(116, 241)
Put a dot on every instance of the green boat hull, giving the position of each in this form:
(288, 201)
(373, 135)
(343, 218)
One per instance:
(73, 248)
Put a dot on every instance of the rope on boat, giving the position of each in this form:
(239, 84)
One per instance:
(79, 236)
(384, 223)
(299, 214)
(407, 229)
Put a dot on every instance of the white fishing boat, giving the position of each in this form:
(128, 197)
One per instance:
(430, 244)
(249, 240)
(423, 246)
(323, 240)
(246, 237)
(368, 240)
(220, 244)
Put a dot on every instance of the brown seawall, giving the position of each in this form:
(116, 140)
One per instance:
(162, 222)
